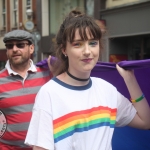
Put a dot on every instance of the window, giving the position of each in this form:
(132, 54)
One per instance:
(3, 17)
(147, 48)
(28, 7)
(59, 9)
(28, 4)
(90, 7)
(15, 13)
(3, 14)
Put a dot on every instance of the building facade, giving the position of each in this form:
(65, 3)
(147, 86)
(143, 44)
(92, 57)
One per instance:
(43, 22)
(124, 22)
(51, 16)
(13, 16)
(128, 29)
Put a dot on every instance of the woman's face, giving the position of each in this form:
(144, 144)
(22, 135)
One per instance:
(82, 55)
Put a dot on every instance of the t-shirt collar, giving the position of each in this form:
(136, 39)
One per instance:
(10, 71)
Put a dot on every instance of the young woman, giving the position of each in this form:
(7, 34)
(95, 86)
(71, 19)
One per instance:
(74, 111)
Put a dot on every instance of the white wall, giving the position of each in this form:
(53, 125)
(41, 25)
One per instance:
(45, 18)
(2, 45)
(0, 13)
(113, 3)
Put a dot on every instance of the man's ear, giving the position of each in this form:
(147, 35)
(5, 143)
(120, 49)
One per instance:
(32, 49)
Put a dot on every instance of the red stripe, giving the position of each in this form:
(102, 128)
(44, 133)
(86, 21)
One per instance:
(82, 112)
(4, 74)
(14, 136)
(36, 82)
(40, 69)
(28, 83)
(11, 86)
(11, 147)
(19, 118)
(17, 101)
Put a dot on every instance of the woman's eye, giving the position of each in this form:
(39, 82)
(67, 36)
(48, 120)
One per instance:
(93, 43)
(77, 44)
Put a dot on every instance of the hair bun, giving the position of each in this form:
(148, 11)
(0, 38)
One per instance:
(75, 13)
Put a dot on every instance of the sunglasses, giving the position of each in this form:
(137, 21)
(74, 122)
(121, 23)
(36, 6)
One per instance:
(19, 45)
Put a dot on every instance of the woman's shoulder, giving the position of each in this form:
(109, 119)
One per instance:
(102, 82)
(49, 85)
(99, 80)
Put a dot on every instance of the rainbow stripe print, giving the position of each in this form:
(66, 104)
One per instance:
(84, 120)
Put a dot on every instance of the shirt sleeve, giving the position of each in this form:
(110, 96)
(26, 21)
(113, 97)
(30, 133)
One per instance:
(125, 111)
(40, 132)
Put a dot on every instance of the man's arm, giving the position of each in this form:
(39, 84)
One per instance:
(38, 148)
(49, 63)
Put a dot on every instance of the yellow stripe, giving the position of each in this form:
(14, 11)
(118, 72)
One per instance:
(83, 120)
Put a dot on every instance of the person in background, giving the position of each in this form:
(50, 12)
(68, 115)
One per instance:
(20, 81)
(74, 111)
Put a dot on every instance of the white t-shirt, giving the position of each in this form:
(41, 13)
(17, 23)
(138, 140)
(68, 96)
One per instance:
(69, 117)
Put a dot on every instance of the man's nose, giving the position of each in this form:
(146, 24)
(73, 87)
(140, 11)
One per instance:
(15, 48)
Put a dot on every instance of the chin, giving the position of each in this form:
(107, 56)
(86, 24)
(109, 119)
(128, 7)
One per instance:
(89, 69)
(16, 62)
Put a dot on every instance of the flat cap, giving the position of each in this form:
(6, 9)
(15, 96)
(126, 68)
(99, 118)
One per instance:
(18, 35)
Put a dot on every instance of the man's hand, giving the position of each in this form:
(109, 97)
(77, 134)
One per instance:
(49, 64)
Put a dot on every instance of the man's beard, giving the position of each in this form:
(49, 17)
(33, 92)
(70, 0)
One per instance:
(19, 62)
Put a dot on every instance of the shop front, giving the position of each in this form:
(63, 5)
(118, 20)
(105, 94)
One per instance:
(3, 59)
(128, 29)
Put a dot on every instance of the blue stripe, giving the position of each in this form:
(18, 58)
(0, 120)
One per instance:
(78, 88)
(83, 129)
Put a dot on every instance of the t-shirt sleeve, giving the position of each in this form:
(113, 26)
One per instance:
(125, 111)
(40, 132)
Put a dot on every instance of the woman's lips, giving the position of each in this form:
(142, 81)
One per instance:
(87, 60)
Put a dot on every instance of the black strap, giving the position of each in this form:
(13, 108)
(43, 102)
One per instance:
(78, 79)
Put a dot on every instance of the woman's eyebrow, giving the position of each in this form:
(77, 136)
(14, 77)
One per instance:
(92, 39)
(77, 40)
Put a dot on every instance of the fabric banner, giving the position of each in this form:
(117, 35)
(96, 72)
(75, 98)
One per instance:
(125, 138)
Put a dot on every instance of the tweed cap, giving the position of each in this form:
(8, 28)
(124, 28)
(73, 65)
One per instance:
(18, 35)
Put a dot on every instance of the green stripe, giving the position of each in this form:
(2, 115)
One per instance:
(82, 125)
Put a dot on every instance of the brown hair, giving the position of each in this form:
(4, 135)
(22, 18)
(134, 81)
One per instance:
(74, 20)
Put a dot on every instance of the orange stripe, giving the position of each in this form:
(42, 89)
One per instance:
(82, 112)
(80, 116)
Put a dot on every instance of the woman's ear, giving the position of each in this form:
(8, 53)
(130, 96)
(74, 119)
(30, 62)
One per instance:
(64, 52)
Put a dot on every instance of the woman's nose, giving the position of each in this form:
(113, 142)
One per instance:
(86, 49)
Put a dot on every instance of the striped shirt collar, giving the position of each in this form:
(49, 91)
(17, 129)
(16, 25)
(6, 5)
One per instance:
(10, 71)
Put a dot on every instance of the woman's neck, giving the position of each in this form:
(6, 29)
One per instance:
(64, 77)
(76, 78)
